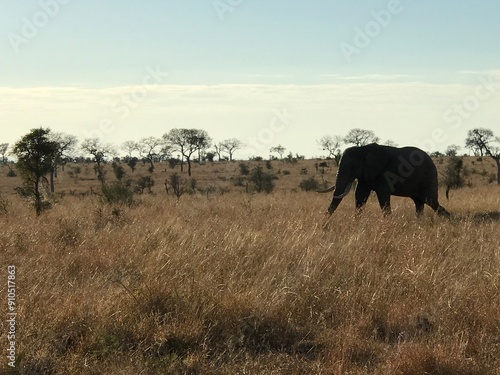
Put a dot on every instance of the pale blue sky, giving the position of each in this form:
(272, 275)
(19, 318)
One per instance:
(416, 67)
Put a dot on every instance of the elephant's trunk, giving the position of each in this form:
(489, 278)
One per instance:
(342, 188)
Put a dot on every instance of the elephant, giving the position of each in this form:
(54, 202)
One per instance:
(405, 172)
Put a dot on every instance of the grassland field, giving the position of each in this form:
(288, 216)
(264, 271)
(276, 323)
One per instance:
(230, 282)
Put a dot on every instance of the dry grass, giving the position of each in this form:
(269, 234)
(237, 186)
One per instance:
(254, 284)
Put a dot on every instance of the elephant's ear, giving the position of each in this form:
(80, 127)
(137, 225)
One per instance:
(376, 161)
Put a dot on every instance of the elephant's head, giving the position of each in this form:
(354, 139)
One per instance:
(357, 163)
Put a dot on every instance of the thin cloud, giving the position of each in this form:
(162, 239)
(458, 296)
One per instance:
(406, 111)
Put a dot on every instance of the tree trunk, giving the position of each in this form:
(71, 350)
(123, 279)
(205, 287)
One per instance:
(52, 174)
(38, 198)
(189, 166)
(498, 170)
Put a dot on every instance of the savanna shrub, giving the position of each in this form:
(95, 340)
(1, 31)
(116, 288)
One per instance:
(117, 193)
(309, 184)
(262, 181)
(145, 182)
(244, 170)
(118, 170)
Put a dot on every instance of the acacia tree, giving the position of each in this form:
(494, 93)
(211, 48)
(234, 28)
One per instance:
(35, 153)
(129, 147)
(230, 146)
(202, 142)
(187, 142)
(279, 149)
(483, 142)
(332, 145)
(99, 151)
(361, 137)
(3, 151)
(149, 148)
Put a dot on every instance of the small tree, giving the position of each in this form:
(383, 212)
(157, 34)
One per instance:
(145, 182)
(361, 137)
(453, 174)
(484, 143)
(35, 154)
(244, 169)
(132, 163)
(331, 143)
(210, 157)
(129, 147)
(309, 184)
(187, 142)
(176, 184)
(100, 152)
(279, 149)
(452, 150)
(230, 146)
(262, 181)
(148, 149)
(118, 170)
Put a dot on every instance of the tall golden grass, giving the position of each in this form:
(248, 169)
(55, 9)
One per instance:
(254, 284)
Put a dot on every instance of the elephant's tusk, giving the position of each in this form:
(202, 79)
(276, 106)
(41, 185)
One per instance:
(326, 190)
(347, 190)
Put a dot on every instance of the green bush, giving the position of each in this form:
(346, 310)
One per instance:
(145, 182)
(309, 184)
(262, 181)
(117, 193)
(118, 170)
(244, 170)
(453, 174)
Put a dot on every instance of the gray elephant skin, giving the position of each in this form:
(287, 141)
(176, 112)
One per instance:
(405, 172)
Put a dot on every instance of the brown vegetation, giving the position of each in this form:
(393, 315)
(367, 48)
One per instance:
(239, 283)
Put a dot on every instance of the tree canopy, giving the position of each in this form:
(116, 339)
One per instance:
(35, 153)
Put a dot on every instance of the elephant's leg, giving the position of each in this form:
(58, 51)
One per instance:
(384, 200)
(361, 196)
(440, 210)
(419, 205)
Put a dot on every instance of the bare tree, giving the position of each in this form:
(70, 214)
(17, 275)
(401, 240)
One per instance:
(331, 143)
(149, 148)
(484, 143)
(230, 146)
(100, 151)
(361, 137)
(129, 147)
